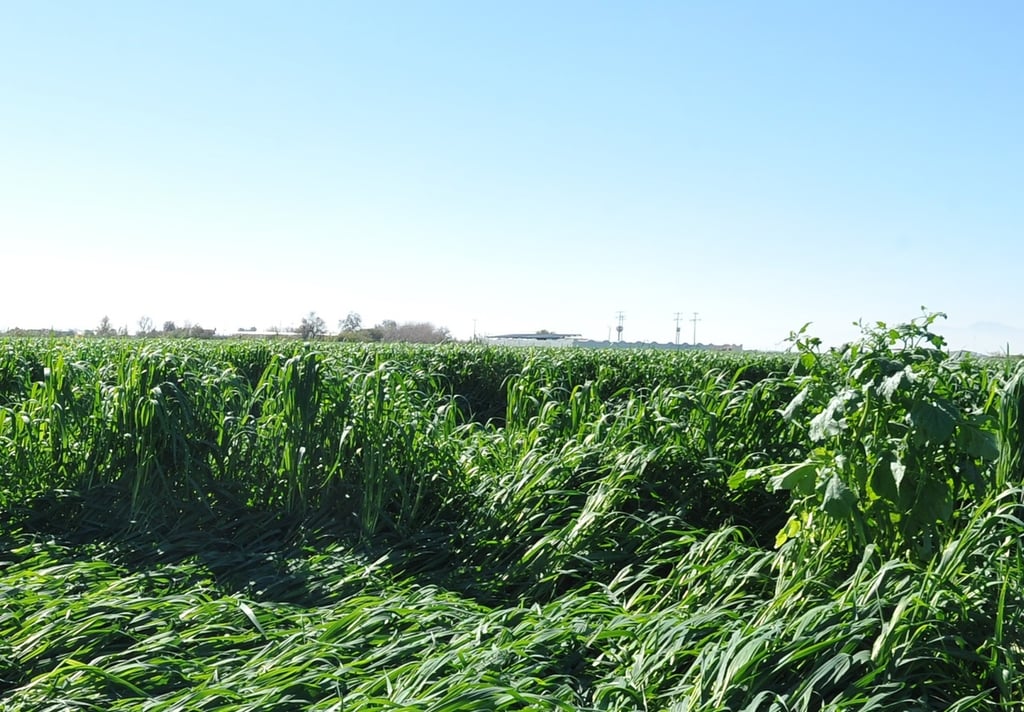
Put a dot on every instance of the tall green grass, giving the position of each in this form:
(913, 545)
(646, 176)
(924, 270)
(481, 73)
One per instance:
(236, 526)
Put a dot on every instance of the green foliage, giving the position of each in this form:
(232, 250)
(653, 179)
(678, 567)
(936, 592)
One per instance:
(192, 525)
(902, 436)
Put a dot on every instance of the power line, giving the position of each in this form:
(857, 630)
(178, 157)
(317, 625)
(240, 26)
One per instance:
(695, 320)
(679, 315)
(620, 316)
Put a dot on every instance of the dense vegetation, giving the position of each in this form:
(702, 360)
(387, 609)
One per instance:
(272, 526)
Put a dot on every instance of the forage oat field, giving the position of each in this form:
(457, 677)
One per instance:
(270, 525)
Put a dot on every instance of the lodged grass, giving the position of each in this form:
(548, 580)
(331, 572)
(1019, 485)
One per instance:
(275, 526)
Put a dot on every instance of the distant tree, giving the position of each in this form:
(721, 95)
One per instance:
(410, 332)
(423, 333)
(145, 326)
(105, 329)
(389, 326)
(195, 331)
(386, 330)
(312, 327)
(187, 330)
(17, 331)
(352, 322)
(359, 336)
(351, 329)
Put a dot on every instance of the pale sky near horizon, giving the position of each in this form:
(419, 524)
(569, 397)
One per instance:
(528, 165)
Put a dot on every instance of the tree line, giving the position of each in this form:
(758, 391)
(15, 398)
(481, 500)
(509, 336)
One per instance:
(312, 327)
(388, 331)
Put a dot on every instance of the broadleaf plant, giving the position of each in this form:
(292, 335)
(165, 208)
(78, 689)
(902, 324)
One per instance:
(897, 441)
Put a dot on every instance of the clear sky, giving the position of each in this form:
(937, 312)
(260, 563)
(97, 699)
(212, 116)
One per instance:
(527, 165)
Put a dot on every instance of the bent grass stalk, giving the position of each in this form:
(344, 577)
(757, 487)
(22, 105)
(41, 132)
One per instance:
(338, 528)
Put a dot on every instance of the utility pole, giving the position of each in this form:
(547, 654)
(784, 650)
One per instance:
(618, 328)
(679, 315)
(695, 320)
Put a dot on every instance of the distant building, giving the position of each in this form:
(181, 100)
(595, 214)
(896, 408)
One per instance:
(545, 338)
(587, 344)
(540, 338)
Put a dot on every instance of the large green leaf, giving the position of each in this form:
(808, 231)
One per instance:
(891, 384)
(796, 478)
(831, 421)
(741, 479)
(839, 499)
(883, 481)
(794, 405)
(934, 421)
(790, 531)
(935, 501)
(976, 442)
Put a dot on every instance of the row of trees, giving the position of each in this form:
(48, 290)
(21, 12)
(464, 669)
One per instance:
(312, 327)
(188, 330)
(388, 331)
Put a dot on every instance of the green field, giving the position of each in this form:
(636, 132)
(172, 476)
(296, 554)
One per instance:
(247, 525)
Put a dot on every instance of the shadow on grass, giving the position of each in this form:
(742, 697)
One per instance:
(263, 555)
(314, 560)
(243, 551)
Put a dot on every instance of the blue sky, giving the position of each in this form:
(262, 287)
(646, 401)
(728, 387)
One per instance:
(524, 165)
